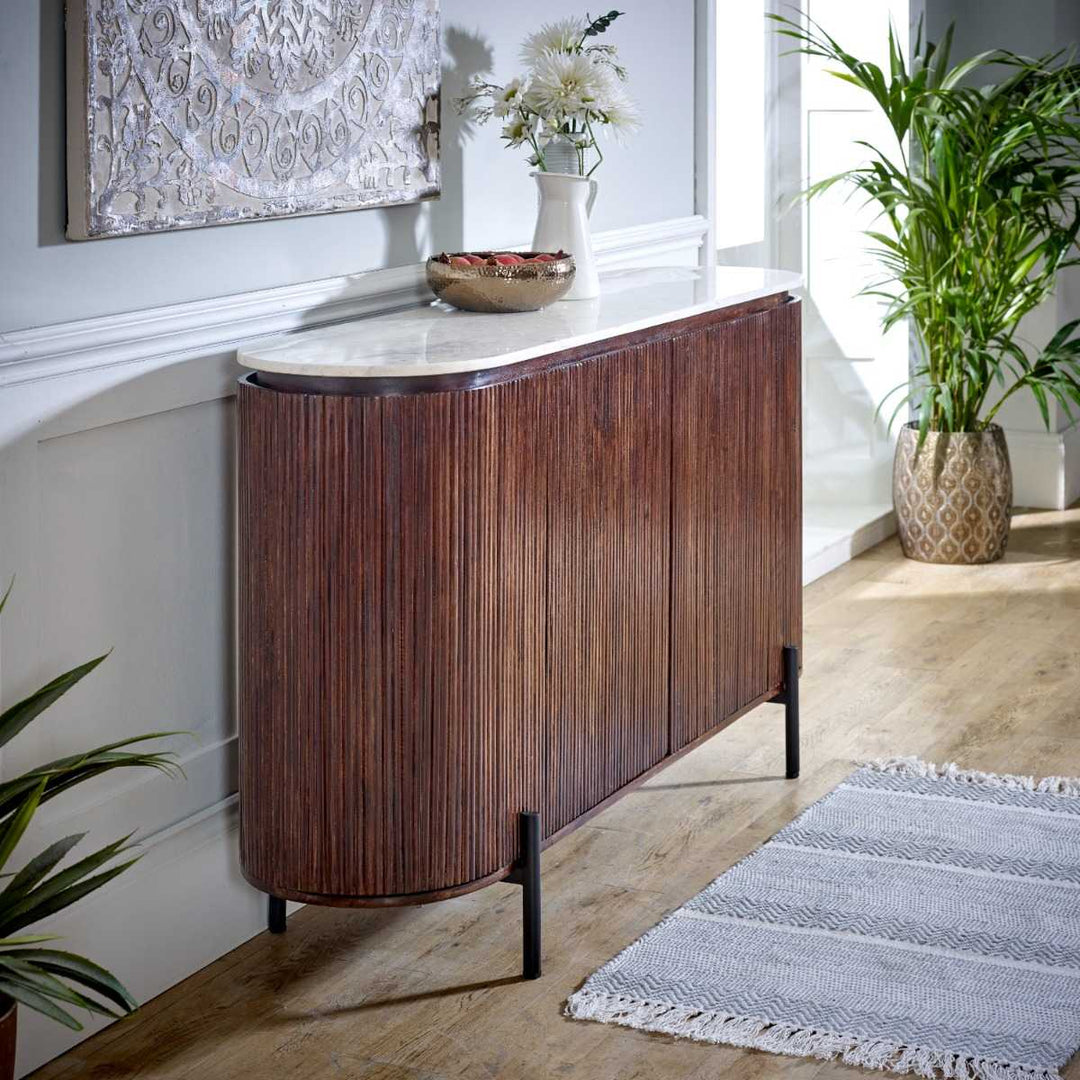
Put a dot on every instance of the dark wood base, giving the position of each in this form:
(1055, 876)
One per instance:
(775, 696)
(526, 870)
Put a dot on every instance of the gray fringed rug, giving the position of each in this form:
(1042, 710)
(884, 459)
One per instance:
(920, 919)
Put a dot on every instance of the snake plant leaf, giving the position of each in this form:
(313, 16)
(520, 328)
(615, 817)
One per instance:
(14, 719)
(80, 970)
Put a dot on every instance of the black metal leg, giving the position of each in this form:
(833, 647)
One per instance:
(791, 710)
(275, 915)
(527, 875)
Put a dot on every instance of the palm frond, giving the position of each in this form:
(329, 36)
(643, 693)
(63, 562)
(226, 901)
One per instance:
(979, 211)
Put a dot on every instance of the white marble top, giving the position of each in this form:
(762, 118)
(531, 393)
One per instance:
(436, 339)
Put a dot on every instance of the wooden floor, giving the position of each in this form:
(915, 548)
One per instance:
(976, 664)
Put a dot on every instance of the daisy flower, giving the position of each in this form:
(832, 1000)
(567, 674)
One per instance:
(507, 99)
(516, 132)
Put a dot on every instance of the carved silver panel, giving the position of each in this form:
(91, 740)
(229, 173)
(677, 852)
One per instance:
(202, 112)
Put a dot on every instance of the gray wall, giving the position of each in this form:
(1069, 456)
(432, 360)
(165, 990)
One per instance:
(487, 198)
(1030, 28)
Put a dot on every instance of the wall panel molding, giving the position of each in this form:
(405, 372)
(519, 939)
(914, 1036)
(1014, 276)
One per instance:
(221, 322)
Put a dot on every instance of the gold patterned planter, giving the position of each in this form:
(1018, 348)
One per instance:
(953, 497)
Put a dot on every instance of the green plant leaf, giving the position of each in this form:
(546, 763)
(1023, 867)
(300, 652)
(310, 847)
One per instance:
(14, 719)
(12, 830)
(67, 772)
(78, 968)
(600, 24)
(36, 906)
(34, 999)
(16, 904)
(981, 194)
(1039, 393)
(40, 865)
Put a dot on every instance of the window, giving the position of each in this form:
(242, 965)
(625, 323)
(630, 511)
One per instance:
(740, 145)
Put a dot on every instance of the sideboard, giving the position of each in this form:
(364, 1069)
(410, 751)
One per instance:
(496, 569)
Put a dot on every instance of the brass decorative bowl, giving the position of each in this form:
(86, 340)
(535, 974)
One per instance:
(523, 286)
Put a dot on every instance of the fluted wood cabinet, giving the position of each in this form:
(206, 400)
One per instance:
(514, 590)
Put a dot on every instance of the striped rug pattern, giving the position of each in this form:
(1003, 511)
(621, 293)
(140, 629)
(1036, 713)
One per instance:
(918, 919)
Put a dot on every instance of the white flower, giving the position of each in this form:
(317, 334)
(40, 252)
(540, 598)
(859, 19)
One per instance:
(617, 110)
(516, 132)
(507, 98)
(563, 36)
(564, 84)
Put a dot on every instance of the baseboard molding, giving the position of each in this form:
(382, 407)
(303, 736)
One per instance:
(221, 322)
(818, 563)
(184, 904)
(1046, 467)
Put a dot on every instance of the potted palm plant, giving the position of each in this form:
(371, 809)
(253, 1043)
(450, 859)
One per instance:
(979, 213)
(48, 980)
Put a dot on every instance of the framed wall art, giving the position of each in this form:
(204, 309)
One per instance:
(183, 113)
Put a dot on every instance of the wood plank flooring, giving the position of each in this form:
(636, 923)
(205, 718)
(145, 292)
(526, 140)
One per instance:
(975, 664)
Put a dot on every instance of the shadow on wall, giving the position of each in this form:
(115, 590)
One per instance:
(465, 54)
(405, 238)
(406, 241)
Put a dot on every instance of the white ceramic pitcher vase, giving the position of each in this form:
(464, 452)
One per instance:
(562, 223)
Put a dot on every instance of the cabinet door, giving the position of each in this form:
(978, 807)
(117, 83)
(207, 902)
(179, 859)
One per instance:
(737, 516)
(392, 568)
(608, 445)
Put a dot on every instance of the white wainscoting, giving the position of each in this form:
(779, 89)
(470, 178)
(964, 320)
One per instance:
(1046, 467)
(116, 518)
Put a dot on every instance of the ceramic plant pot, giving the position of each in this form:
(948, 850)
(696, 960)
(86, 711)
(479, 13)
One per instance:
(8, 1021)
(953, 496)
(562, 224)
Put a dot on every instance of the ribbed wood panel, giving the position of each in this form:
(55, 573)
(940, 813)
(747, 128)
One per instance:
(391, 639)
(455, 606)
(609, 468)
(737, 516)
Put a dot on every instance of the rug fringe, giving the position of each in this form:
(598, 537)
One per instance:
(913, 766)
(787, 1039)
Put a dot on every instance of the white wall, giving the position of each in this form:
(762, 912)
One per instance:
(116, 484)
